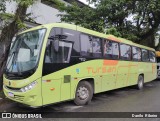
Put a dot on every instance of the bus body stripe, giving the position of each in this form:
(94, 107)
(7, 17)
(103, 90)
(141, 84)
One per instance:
(114, 38)
(110, 62)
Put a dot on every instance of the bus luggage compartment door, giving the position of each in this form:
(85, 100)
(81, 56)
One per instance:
(50, 90)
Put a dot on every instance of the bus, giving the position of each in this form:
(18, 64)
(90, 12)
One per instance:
(158, 64)
(59, 62)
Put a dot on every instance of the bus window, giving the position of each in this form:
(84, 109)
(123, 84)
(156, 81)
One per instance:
(111, 50)
(96, 45)
(63, 55)
(86, 45)
(139, 54)
(115, 49)
(64, 48)
(152, 56)
(145, 56)
(136, 53)
(108, 49)
(125, 52)
(73, 36)
(25, 52)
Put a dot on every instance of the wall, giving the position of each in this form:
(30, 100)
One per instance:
(41, 13)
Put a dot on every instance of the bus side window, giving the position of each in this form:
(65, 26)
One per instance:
(65, 46)
(139, 54)
(73, 36)
(145, 56)
(86, 45)
(152, 56)
(48, 56)
(136, 54)
(96, 45)
(115, 49)
(111, 50)
(108, 49)
(49, 48)
(125, 52)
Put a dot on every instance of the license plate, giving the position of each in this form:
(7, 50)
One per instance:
(10, 94)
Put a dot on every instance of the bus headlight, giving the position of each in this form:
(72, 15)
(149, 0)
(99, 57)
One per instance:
(29, 87)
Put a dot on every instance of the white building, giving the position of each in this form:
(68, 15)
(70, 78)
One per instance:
(43, 12)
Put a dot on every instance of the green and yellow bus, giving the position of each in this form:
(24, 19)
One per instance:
(58, 62)
(158, 64)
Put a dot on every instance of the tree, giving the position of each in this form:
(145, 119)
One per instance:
(85, 16)
(9, 31)
(136, 20)
(2, 6)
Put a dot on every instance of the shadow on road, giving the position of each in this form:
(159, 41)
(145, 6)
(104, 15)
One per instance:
(69, 106)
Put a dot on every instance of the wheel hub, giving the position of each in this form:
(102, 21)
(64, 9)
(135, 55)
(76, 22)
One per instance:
(83, 93)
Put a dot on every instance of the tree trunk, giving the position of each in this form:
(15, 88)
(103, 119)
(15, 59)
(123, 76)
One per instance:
(8, 33)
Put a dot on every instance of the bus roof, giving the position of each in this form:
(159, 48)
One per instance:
(88, 31)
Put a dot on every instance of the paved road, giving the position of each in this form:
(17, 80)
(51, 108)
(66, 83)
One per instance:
(122, 100)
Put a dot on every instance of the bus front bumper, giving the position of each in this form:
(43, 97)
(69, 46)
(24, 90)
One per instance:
(29, 98)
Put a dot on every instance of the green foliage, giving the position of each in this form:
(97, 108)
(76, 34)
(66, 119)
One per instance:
(20, 24)
(57, 3)
(6, 16)
(82, 16)
(113, 31)
(24, 2)
(136, 20)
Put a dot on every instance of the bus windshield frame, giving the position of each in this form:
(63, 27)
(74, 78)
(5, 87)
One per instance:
(24, 54)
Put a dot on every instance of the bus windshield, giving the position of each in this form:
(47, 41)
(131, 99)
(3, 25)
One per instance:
(25, 51)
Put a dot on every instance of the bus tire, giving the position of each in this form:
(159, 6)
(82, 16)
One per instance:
(84, 93)
(140, 83)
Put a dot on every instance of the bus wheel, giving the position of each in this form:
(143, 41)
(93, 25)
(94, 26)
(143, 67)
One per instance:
(140, 83)
(84, 93)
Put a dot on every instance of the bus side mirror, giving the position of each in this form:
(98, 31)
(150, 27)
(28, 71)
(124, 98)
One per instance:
(56, 45)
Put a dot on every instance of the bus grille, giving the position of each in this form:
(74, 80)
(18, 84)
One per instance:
(18, 98)
(13, 89)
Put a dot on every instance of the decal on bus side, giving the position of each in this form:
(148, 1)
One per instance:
(99, 70)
